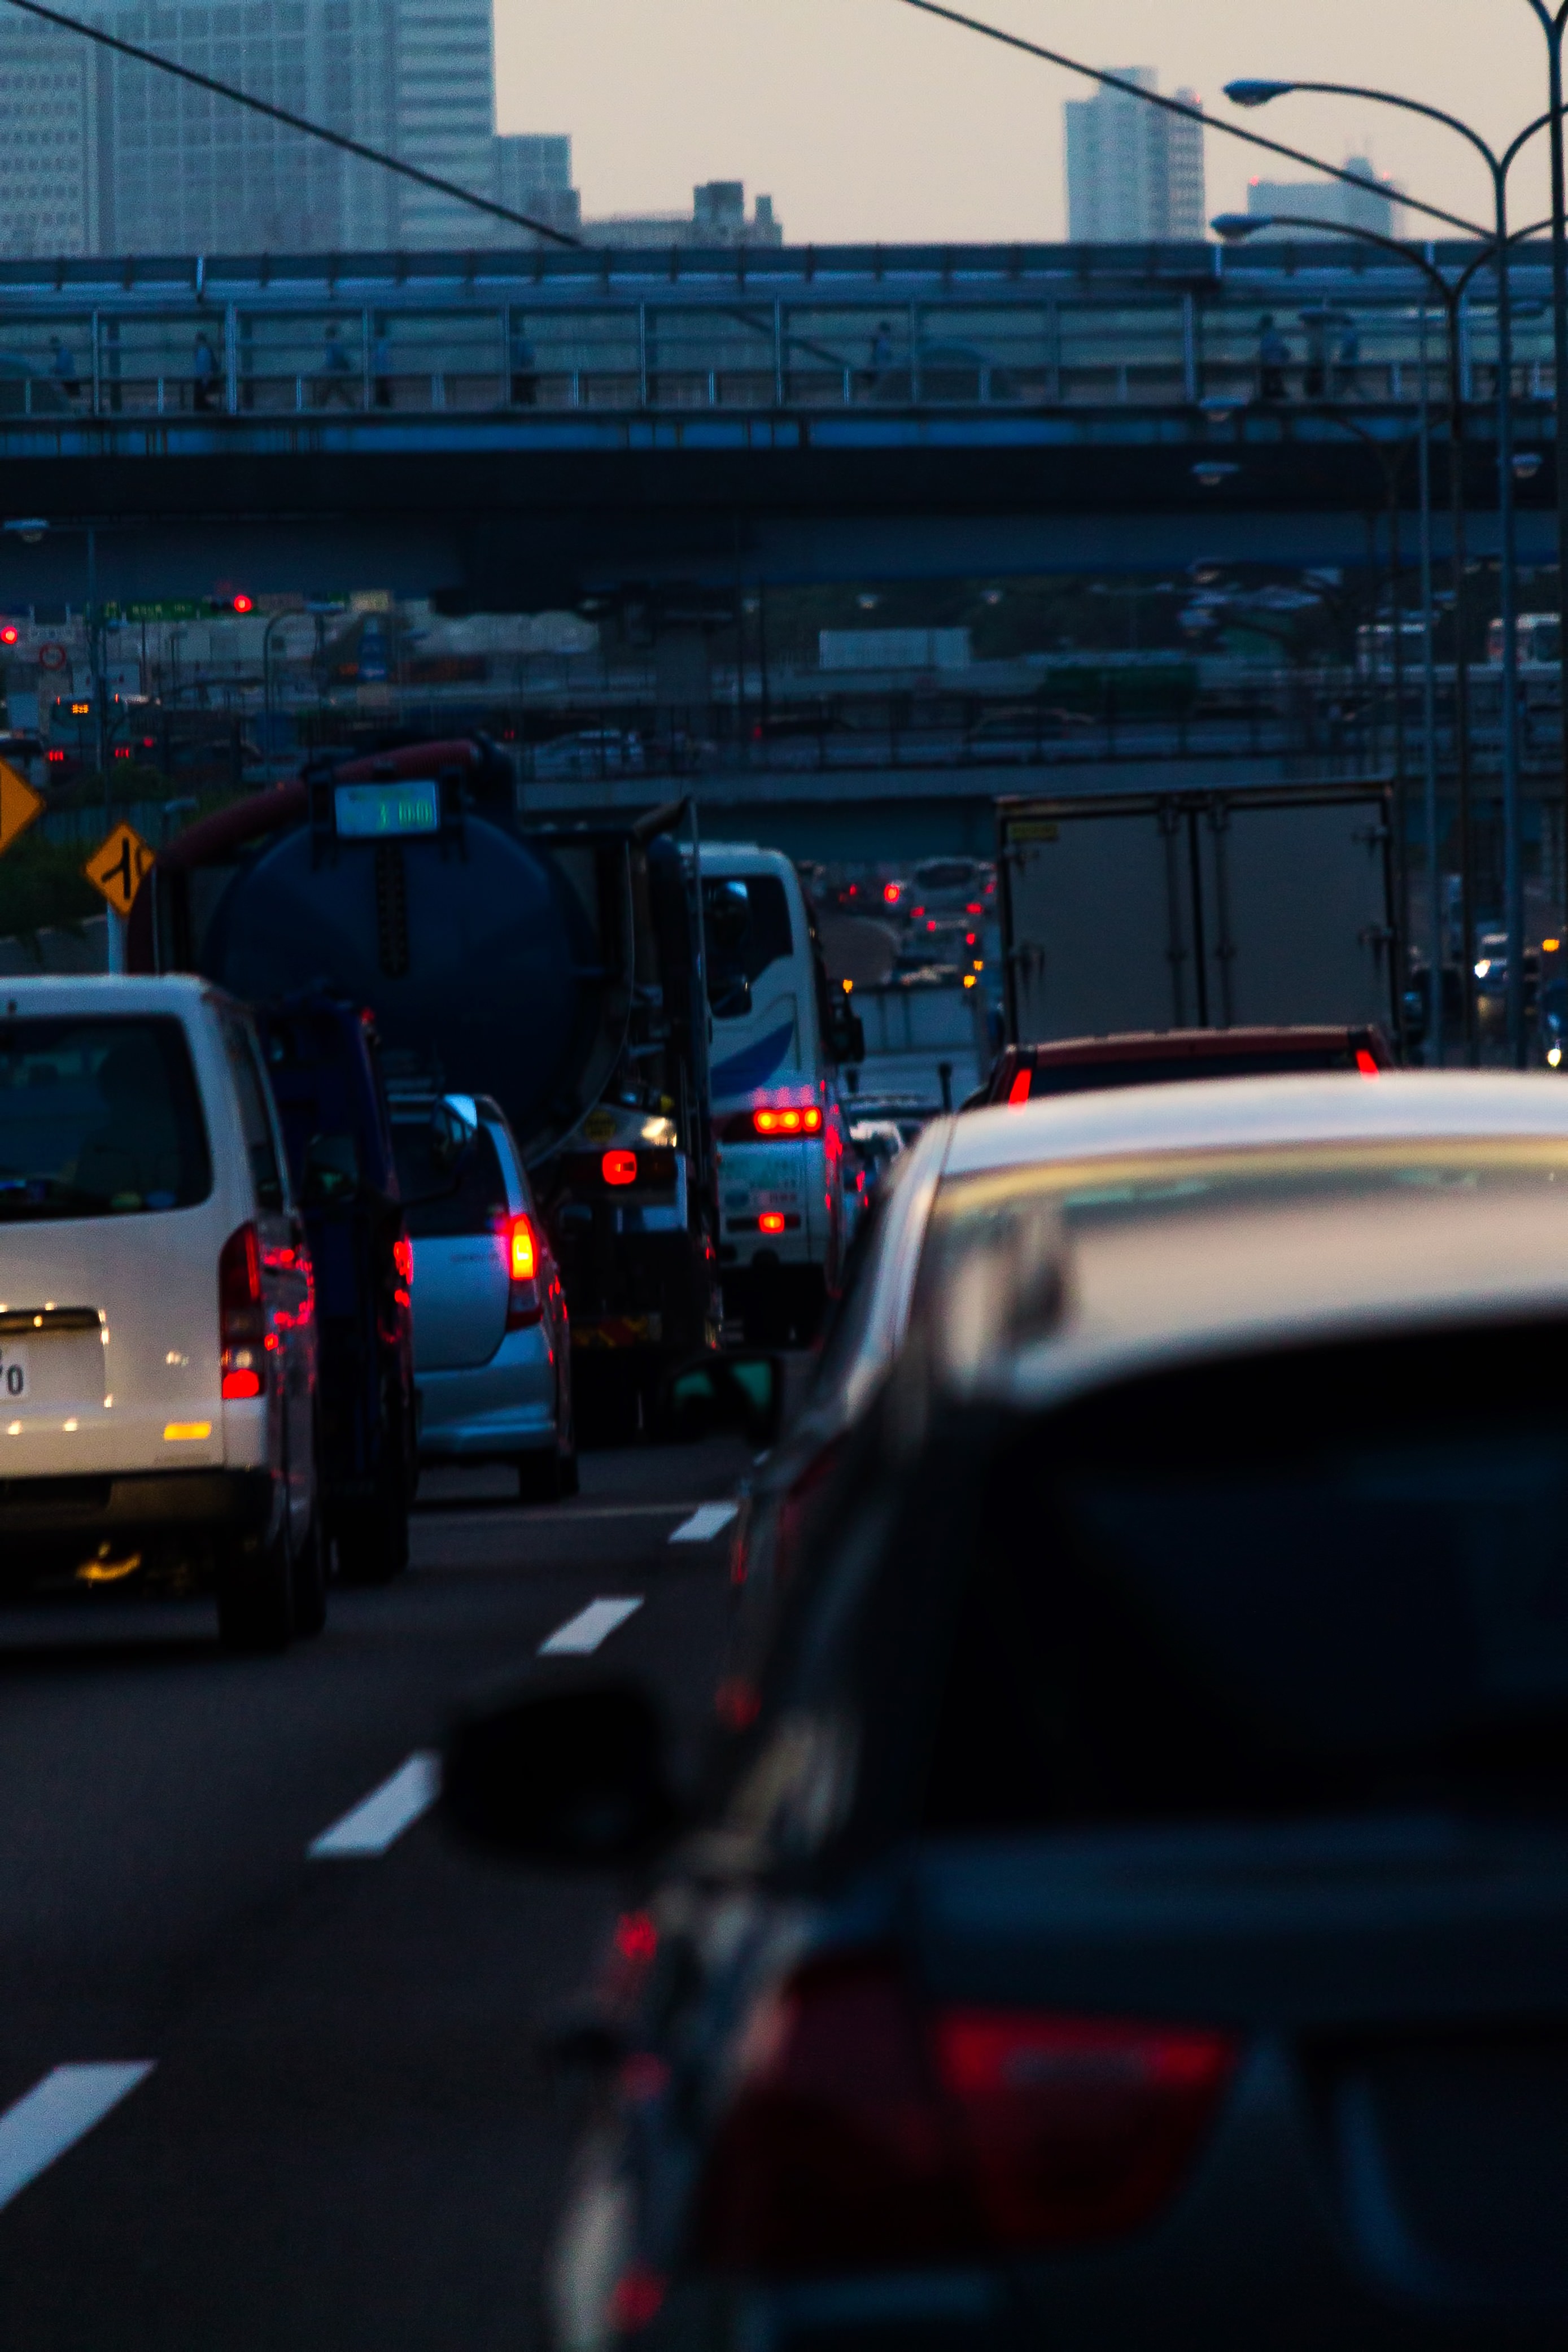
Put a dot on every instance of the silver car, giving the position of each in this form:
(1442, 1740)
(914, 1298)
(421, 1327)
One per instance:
(492, 1353)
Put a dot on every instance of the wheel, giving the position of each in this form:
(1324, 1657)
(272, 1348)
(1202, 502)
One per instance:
(372, 1546)
(255, 1595)
(309, 1579)
(372, 1539)
(539, 1477)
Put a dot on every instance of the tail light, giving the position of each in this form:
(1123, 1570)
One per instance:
(524, 1305)
(243, 1334)
(807, 1120)
(403, 1270)
(863, 2135)
(1019, 1092)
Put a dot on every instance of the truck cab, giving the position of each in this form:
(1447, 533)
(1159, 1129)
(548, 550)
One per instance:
(778, 1039)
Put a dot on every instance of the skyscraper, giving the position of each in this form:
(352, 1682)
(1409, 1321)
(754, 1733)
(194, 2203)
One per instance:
(103, 154)
(1135, 172)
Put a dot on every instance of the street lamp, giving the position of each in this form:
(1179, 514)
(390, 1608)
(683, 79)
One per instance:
(1235, 228)
(1553, 23)
(1261, 94)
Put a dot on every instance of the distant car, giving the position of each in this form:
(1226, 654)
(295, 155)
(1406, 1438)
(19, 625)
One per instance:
(590, 751)
(158, 1344)
(1137, 1917)
(1158, 1056)
(492, 1350)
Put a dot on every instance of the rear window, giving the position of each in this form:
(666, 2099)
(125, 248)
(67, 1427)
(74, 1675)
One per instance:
(444, 1196)
(1160, 1070)
(1333, 1578)
(98, 1118)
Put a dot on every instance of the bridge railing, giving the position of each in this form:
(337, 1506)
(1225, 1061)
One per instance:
(1161, 349)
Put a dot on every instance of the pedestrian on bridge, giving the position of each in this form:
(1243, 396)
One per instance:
(337, 373)
(63, 368)
(203, 375)
(1273, 359)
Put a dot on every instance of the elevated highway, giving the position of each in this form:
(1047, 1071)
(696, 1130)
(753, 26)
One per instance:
(519, 429)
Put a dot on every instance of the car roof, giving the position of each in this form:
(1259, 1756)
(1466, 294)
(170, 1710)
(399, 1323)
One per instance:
(1236, 1114)
(1147, 1294)
(1188, 1044)
(102, 992)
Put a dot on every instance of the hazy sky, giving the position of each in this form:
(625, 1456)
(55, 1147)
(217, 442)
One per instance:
(864, 120)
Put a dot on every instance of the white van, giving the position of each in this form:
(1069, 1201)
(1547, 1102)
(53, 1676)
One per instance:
(156, 1334)
(777, 1038)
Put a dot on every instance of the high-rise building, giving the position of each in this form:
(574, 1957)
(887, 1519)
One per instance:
(48, 151)
(1329, 200)
(101, 153)
(1135, 171)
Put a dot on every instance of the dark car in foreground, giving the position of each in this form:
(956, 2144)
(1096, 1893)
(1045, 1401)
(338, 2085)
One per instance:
(1139, 1914)
(1152, 1057)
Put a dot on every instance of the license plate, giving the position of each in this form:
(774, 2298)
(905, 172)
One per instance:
(12, 1373)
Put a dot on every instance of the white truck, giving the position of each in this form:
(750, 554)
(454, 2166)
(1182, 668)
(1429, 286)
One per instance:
(1258, 906)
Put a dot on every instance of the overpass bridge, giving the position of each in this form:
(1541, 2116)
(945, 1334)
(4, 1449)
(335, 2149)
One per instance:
(518, 429)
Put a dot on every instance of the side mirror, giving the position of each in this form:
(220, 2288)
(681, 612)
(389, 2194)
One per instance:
(743, 1395)
(331, 1170)
(846, 1032)
(573, 1778)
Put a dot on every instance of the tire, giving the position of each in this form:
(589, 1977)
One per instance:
(310, 1581)
(255, 1596)
(372, 1547)
(539, 1477)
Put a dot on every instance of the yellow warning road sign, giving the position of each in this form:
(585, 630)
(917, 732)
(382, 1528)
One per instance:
(117, 865)
(20, 804)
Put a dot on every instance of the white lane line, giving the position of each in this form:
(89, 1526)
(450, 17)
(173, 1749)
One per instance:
(710, 1520)
(380, 1819)
(57, 2112)
(591, 1626)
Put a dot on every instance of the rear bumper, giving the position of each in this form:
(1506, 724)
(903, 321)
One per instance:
(504, 1407)
(74, 1515)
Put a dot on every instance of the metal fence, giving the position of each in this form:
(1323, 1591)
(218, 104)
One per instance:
(1054, 331)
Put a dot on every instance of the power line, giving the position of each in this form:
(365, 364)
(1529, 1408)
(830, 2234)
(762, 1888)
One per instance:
(295, 122)
(1170, 106)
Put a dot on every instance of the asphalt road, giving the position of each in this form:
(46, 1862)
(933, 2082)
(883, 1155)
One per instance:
(345, 2137)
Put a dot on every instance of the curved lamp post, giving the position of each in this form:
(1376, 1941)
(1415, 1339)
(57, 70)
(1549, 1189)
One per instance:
(1261, 93)
(1234, 228)
(1553, 23)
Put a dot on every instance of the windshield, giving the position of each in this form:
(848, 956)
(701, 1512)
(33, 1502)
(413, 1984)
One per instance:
(1089, 1191)
(98, 1118)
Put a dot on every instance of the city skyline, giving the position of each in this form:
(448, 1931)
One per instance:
(866, 120)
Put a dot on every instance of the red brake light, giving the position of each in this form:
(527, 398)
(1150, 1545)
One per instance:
(890, 893)
(524, 1305)
(242, 1336)
(402, 1258)
(788, 1121)
(1365, 1064)
(771, 1221)
(1076, 2127)
(243, 603)
(619, 1168)
(858, 2140)
(524, 1255)
(1019, 1089)
(10, 634)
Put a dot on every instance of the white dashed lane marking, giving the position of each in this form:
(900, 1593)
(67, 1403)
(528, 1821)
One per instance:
(591, 1626)
(706, 1522)
(55, 2113)
(381, 1819)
